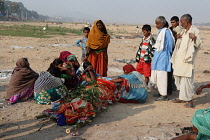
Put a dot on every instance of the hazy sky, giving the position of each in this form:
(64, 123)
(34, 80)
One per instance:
(126, 11)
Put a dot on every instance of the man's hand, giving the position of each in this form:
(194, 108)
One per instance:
(178, 36)
(192, 36)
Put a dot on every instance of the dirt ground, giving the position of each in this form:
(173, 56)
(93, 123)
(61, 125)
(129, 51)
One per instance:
(150, 121)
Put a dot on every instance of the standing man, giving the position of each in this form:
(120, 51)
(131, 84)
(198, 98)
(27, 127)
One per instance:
(161, 62)
(187, 46)
(175, 29)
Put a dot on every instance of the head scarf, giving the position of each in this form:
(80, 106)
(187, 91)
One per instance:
(71, 57)
(97, 40)
(46, 81)
(201, 120)
(64, 55)
(23, 77)
(129, 68)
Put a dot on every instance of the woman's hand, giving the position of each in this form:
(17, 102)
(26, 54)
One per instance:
(90, 68)
(62, 67)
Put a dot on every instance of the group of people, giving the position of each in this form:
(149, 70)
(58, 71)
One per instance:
(163, 61)
(169, 60)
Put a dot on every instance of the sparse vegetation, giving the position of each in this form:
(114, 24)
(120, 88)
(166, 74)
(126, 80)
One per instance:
(36, 31)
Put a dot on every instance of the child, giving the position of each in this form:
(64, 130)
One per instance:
(83, 41)
(145, 53)
(175, 28)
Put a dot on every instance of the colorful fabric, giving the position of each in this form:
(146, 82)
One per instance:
(99, 62)
(201, 120)
(107, 89)
(161, 59)
(76, 110)
(97, 40)
(133, 88)
(145, 51)
(129, 68)
(144, 68)
(64, 55)
(71, 57)
(23, 77)
(22, 96)
(46, 81)
(51, 95)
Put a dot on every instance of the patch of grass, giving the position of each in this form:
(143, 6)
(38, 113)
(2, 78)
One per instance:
(36, 31)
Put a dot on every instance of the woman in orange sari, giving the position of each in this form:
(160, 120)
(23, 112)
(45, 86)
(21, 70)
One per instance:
(96, 46)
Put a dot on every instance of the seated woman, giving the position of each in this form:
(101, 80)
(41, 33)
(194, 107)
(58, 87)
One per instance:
(201, 126)
(132, 88)
(49, 87)
(70, 62)
(106, 87)
(67, 57)
(21, 85)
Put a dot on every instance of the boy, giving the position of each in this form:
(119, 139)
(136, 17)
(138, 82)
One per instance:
(82, 42)
(145, 53)
(175, 28)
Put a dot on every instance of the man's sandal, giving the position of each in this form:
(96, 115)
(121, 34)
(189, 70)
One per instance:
(177, 101)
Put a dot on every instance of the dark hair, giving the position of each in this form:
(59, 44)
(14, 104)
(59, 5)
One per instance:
(55, 71)
(175, 18)
(86, 64)
(146, 27)
(86, 29)
(57, 61)
(187, 17)
(166, 24)
(104, 28)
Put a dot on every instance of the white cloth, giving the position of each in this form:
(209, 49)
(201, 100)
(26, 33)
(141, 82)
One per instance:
(159, 44)
(186, 87)
(160, 79)
(185, 53)
(177, 29)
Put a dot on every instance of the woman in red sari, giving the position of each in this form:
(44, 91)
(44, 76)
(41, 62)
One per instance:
(97, 45)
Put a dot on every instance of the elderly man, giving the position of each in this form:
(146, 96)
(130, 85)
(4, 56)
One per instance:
(187, 46)
(161, 61)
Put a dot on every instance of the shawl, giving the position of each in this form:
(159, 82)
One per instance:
(97, 40)
(23, 77)
(129, 68)
(201, 120)
(71, 57)
(64, 55)
(46, 81)
(159, 44)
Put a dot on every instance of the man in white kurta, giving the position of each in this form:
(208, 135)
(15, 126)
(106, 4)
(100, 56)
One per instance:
(183, 60)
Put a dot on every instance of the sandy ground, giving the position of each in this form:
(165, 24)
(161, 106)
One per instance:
(152, 120)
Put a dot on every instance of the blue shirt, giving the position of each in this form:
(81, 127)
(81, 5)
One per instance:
(161, 60)
(82, 42)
